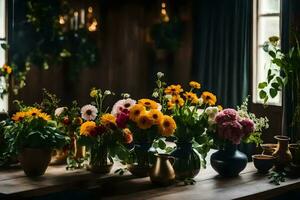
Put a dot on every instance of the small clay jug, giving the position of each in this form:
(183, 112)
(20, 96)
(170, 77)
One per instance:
(268, 149)
(282, 153)
(162, 172)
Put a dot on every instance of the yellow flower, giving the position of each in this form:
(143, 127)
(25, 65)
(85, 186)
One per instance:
(167, 126)
(108, 120)
(195, 85)
(93, 93)
(209, 98)
(220, 108)
(136, 111)
(7, 69)
(190, 96)
(173, 89)
(87, 128)
(155, 116)
(33, 112)
(19, 116)
(170, 105)
(144, 121)
(44, 116)
(148, 103)
(177, 100)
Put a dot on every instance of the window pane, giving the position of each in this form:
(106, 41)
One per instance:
(267, 26)
(2, 18)
(263, 64)
(269, 6)
(2, 55)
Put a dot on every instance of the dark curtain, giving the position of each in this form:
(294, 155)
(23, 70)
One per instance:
(221, 52)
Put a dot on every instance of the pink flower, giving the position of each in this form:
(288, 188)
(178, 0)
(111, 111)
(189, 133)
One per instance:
(226, 115)
(121, 105)
(122, 119)
(248, 126)
(232, 131)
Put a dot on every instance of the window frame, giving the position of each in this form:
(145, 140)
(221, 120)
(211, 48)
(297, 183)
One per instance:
(256, 47)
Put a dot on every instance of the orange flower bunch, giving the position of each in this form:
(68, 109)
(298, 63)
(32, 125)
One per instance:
(146, 114)
(31, 113)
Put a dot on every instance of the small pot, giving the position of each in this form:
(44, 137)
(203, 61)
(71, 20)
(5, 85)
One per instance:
(263, 163)
(162, 172)
(268, 149)
(282, 153)
(35, 161)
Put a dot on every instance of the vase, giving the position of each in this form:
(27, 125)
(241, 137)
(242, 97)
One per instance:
(268, 149)
(228, 161)
(295, 151)
(187, 161)
(143, 159)
(162, 172)
(282, 153)
(59, 157)
(35, 161)
(100, 161)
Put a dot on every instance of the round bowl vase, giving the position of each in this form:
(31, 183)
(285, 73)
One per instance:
(229, 161)
(35, 161)
(187, 161)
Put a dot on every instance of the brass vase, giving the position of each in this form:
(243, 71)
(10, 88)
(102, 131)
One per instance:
(268, 149)
(34, 161)
(282, 153)
(162, 172)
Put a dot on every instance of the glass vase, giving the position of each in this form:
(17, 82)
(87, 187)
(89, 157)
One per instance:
(100, 161)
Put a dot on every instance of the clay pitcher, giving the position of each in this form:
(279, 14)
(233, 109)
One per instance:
(162, 172)
(282, 153)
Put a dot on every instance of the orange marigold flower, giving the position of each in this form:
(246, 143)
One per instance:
(155, 116)
(135, 112)
(173, 89)
(44, 116)
(33, 112)
(144, 121)
(87, 128)
(192, 97)
(167, 126)
(195, 85)
(148, 103)
(108, 120)
(209, 98)
(19, 116)
(177, 100)
(7, 69)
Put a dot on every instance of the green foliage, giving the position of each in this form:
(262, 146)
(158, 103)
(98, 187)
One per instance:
(277, 177)
(49, 102)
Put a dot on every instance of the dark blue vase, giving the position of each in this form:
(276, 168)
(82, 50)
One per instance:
(229, 161)
(187, 161)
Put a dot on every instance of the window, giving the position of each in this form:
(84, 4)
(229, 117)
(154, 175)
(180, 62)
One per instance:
(266, 23)
(3, 38)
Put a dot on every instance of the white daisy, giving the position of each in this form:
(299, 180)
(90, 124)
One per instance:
(59, 110)
(89, 112)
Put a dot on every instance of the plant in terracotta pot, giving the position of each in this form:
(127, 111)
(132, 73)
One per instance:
(193, 116)
(231, 130)
(32, 136)
(146, 123)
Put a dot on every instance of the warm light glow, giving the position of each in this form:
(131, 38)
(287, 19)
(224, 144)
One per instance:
(166, 18)
(93, 26)
(163, 5)
(163, 11)
(61, 20)
(90, 9)
(75, 14)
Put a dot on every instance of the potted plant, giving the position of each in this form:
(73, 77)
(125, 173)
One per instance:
(32, 136)
(144, 122)
(193, 116)
(231, 129)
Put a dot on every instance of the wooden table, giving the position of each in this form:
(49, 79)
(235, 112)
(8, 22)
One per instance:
(249, 185)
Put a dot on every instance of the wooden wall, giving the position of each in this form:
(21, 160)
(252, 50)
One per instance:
(127, 60)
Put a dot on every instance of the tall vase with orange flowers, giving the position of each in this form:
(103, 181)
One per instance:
(144, 122)
(194, 115)
(98, 132)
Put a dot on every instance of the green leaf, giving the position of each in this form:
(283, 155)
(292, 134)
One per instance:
(272, 54)
(270, 77)
(4, 46)
(262, 85)
(262, 94)
(279, 80)
(275, 85)
(273, 92)
(161, 144)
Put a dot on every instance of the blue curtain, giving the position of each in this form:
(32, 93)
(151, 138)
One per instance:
(222, 48)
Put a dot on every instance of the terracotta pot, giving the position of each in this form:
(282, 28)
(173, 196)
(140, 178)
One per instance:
(282, 153)
(35, 161)
(162, 172)
(268, 149)
(263, 163)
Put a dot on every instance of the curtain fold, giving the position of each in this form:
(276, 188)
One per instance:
(222, 49)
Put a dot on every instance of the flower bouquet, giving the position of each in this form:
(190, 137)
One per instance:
(231, 129)
(194, 117)
(143, 122)
(32, 136)
(99, 132)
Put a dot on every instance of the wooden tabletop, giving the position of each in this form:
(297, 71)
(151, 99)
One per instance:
(249, 185)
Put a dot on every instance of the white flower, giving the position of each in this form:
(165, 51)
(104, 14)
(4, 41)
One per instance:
(159, 107)
(160, 75)
(89, 112)
(121, 105)
(200, 102)
(168, 96)
(107, 92)
(155, 94)
(125, 95)
(211, 110)
(59, 110)
(200, 111)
